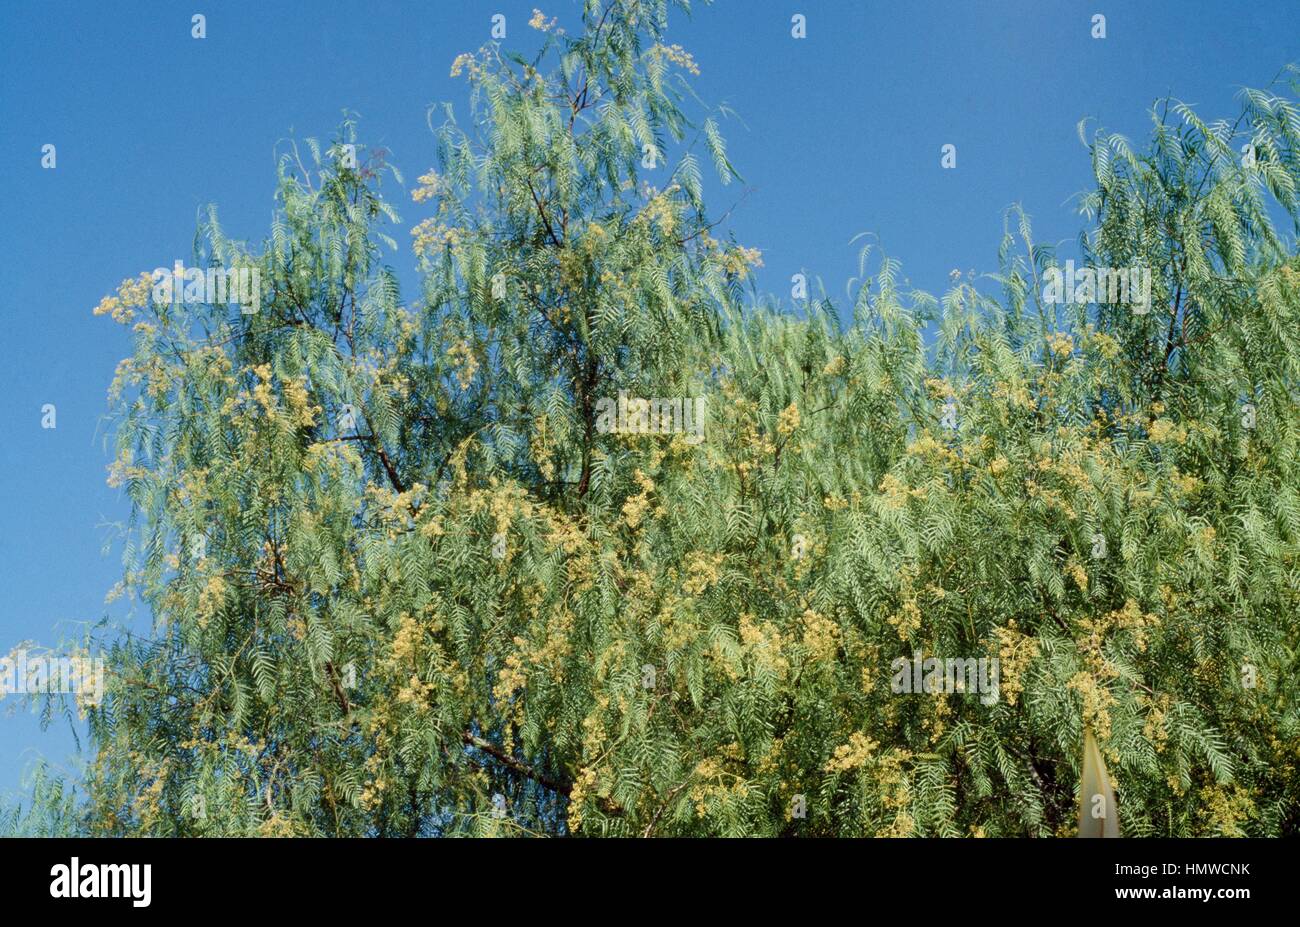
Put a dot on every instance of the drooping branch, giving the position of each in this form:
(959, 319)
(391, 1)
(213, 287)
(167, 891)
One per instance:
(555, 785)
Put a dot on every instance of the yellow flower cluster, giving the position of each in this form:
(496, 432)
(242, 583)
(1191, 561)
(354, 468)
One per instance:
(907, 620)
(895, 791)
(1129, 618)
(415, 692)
(124, 374)
(821, 636)
(512, 678)
(593, 238)
(1097, 702)
(405, 641)
(853, 754)
(1015, 395)
(556, 646)
(333, 456)
(1224, 808)
(262, 391)
(372, 796)
(1050, 497)
(211, 598)
(940, 389)
(86, 697)
(463, 362)
(121, 470)
(147, 804)
(1015, 651)
(431, 235)
(131, 294)
(594, 734)
(1185, 482)
(738, 261)
(430, 185)
(1155, 729)
(764, 644)
(539, 21)
(1106, 345)
(678, 56)
(635, 507)
(276, 825)
(712, 786)
(539, 446)
(583, 783)
(303, 412)
(788, 420)
(659, 211)
(566, 534)
(1164, 431)
(467, 61)
(702, 571)
(933, 451)
(573, 269)
(894, 491)
(1060, 344)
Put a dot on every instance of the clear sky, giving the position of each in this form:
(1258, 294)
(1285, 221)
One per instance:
(840, 133)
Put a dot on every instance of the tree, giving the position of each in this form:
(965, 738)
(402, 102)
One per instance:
(462, 566)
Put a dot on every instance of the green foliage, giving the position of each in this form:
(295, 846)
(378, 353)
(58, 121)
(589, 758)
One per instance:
(51, 810)
(434, 596)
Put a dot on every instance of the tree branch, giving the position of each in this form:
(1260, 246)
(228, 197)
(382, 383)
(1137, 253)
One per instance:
(563, 788)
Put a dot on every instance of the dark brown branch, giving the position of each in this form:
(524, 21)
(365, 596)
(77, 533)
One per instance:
(339, 694)
(541, 210)
(563, 788)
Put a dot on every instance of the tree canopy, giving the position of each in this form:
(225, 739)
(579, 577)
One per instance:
(430, 565)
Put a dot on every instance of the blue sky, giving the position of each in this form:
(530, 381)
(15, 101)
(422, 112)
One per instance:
(840, 133)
